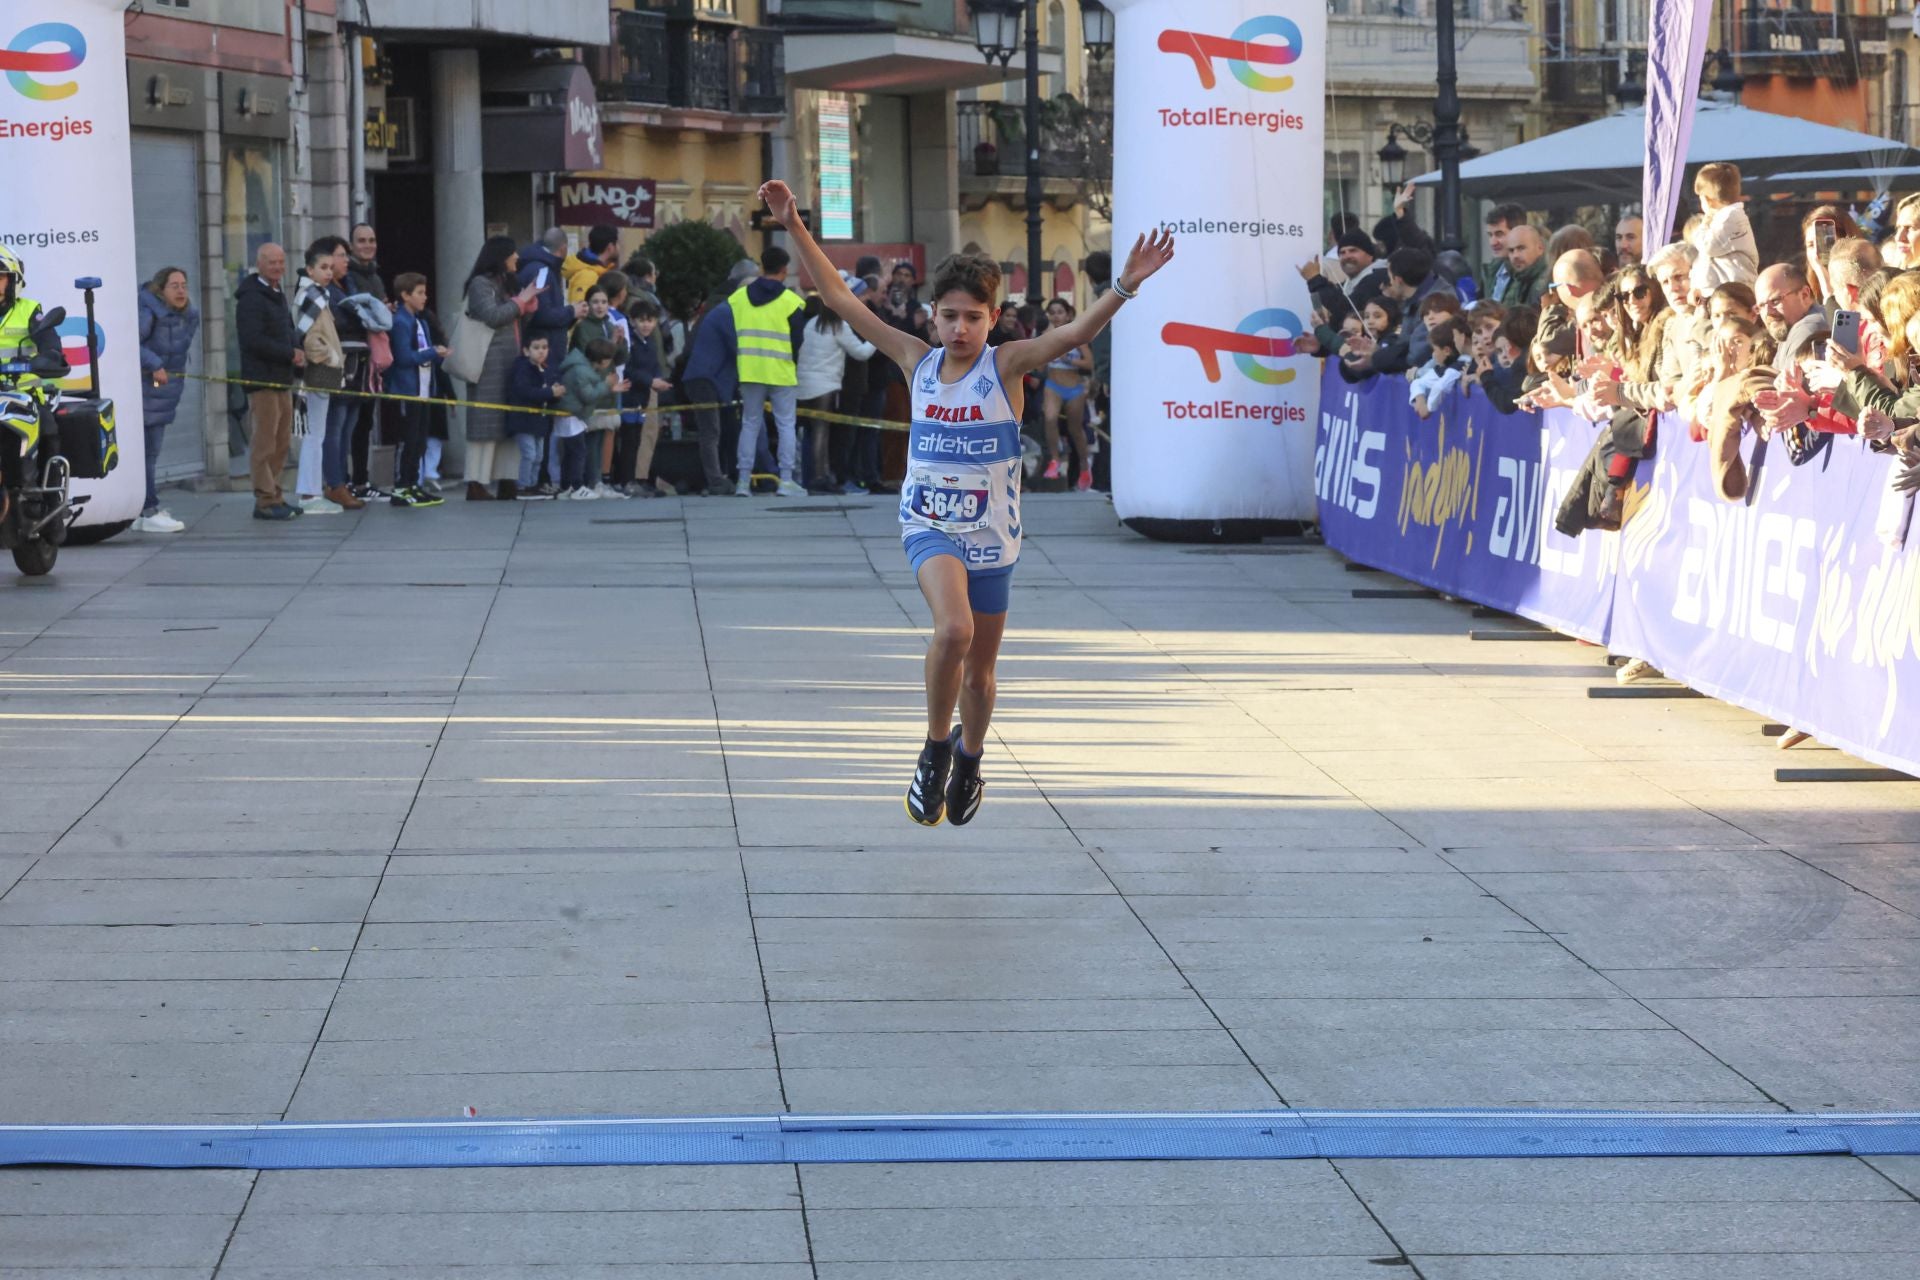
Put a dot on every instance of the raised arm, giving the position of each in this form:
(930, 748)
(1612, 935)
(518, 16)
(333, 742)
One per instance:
(903, 349)
(1150, 253)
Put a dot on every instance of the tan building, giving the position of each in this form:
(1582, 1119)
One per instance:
(692, 94)
(1381, 67)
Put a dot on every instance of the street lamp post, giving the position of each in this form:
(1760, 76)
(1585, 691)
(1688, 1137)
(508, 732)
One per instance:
(995, 27)
(995, 32)
(1446, 131)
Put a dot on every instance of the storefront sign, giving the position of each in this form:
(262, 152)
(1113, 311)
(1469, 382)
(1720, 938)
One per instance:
(64, 135)
(836, 169)
(1220, 141)
(606, 202)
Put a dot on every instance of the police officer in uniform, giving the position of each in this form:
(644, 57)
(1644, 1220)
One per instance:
(29, 357)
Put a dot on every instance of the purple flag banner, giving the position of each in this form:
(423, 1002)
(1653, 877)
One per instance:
(1802, 604)
(1676, 42)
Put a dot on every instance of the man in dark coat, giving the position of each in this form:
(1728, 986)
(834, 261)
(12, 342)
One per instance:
(270, 352)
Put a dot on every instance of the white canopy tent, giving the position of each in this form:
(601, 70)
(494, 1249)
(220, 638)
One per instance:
(1602, 161)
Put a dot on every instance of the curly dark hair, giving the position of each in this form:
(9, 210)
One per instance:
(973, 274)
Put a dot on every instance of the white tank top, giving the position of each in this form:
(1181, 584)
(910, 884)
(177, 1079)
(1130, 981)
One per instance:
(963, 462)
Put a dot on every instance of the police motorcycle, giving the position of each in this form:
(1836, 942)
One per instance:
(49, 437)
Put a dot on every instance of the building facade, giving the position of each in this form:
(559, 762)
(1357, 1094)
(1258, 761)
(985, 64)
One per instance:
(238, 112)
(1381, 68)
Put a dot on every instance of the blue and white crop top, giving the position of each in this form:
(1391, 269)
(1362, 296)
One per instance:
(963, 462)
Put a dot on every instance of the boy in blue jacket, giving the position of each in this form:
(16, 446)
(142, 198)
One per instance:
(533, 384)
(416, 361)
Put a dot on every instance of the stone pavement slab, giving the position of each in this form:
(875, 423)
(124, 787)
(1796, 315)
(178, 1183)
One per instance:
(561, 810)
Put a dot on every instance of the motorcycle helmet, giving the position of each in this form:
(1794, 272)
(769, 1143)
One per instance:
(16, 270)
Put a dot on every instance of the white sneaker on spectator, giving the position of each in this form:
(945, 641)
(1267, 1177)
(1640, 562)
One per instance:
(584, 494)
(320, 507)
(790, 489)
(161, 521)
(605, 491)
(744, 489)
(1637, 669)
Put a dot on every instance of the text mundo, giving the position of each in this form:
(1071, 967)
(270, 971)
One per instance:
(1232, 411)
(1346, 471)
(51, 130)
(1744, 573)
(625, 204)
(1228, 118)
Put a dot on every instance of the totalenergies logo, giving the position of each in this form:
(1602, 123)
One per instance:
(1251, 343)
(1255, 46)
(27, 57)
(73, 345)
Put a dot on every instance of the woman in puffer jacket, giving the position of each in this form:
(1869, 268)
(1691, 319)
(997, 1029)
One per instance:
(169, 322)
(821, 369)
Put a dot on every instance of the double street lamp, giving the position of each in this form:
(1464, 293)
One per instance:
(1446, 138)
(996, 32)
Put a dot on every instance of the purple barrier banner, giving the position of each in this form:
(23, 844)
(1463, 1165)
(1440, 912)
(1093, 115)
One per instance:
(1462, 502)
(1791, 605)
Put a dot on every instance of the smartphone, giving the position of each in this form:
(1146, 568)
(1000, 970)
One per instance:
(540, 281)
(1846, 331)
(1824, 235)
(1820, 351)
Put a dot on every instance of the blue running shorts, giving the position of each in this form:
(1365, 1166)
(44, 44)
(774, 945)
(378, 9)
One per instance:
(988, 590)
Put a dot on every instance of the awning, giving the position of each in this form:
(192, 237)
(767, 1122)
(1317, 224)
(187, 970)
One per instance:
(557, 131)
(1604, 159)
(1874, 180)
(894, 62)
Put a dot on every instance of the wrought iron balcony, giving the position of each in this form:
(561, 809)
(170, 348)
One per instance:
(1841, 47)
(1075, 141)
(660, 60)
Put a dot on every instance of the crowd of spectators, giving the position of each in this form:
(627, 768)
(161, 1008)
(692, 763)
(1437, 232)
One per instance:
(1696, 343)
(572, 365)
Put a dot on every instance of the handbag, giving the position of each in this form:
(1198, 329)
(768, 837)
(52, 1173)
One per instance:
(468, 350)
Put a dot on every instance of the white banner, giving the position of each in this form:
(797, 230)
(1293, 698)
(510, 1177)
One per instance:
(1218, 134)
(68, 206)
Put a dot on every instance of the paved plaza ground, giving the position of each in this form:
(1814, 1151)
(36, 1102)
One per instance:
(595, 808)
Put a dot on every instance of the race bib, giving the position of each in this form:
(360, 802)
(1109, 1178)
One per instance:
(951, 499)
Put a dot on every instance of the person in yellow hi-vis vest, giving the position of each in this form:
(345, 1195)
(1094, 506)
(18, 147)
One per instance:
(767, 326)
(26, 366)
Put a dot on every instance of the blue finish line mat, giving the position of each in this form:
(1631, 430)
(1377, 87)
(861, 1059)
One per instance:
(712, 1140)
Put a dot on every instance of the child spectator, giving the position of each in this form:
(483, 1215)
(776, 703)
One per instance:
(640, 423)
(415, 373)
(1442, 373)
(1503, 377)
(1381, 319)
(1742, 352)
(1728, 251)
(589, 384)
(601, 324)
(533, 384)
(1379, 326)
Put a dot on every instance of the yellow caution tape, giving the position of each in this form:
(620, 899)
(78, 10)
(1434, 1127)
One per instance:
(818, 415)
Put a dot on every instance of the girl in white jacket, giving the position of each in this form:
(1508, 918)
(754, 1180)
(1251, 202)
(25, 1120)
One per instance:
(826, 345)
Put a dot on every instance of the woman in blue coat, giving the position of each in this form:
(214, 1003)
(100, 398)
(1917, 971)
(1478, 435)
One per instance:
(168, 324)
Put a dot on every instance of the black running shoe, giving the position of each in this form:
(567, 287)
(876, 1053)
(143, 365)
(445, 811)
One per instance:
(964, 788)
(927, 796)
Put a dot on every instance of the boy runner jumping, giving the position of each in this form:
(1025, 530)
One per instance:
(960, 505)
